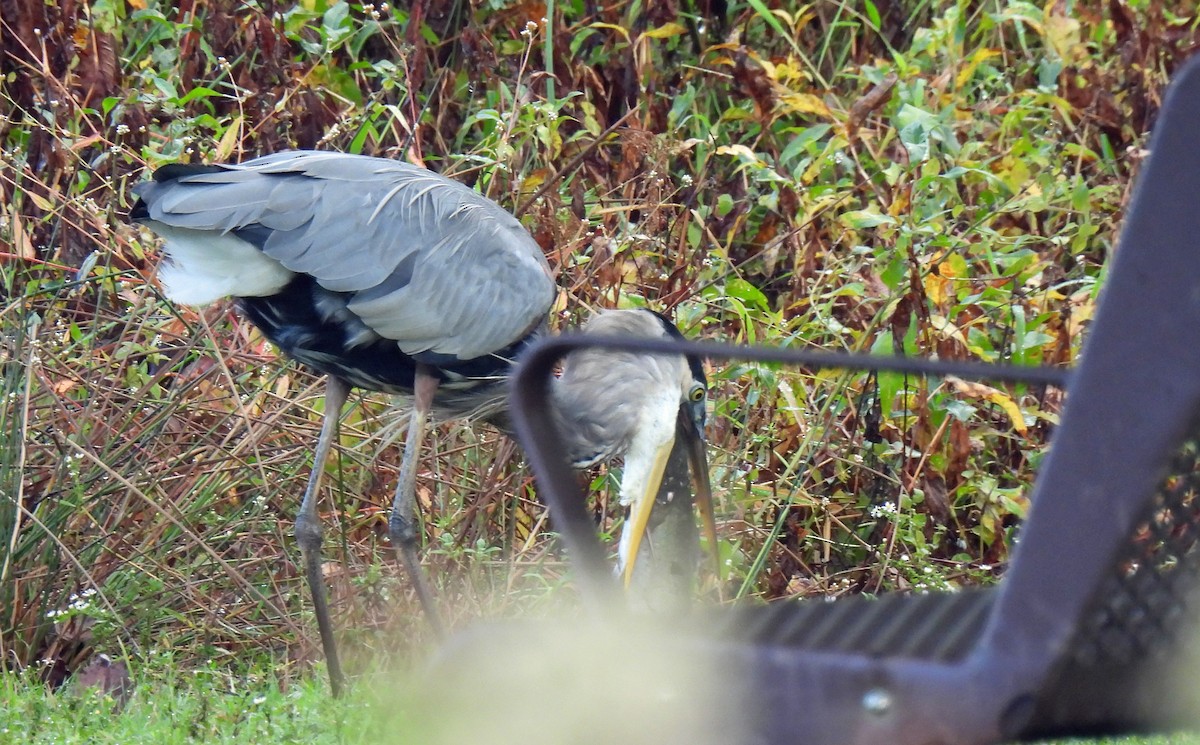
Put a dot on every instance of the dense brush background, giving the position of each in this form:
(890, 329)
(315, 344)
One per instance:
(919, 177)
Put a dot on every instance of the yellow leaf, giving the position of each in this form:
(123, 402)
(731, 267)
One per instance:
(22, 246)
(1010, 407)
(612, 27)
(562, 302)
(968, 72)
(768, 67)
(1063, 35)
(84, 142)
(738, 151)
(937, 288)
(42, 203)
(1083, 307)
(1014, 172)
(665, 31)
(534, 180)
(947, 329)
(953, 266)
(229, 140)
(792, 70)
(996, 396)
(804, 103)
(283, 384)
(987, 521)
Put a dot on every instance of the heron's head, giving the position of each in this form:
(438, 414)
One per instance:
(639, 405)
(693, 405)
(689, 431)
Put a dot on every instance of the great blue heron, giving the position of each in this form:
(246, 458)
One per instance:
(390, 277)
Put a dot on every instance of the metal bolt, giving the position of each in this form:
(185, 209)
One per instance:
(877, 701)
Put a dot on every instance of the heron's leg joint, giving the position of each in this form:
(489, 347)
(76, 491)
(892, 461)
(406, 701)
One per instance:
(308, 533)
(402, 529)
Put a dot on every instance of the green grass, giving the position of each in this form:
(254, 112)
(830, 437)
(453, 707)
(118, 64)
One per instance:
(171, 705)
(182, 707)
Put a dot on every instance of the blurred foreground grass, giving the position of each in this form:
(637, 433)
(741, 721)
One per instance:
(170, 705)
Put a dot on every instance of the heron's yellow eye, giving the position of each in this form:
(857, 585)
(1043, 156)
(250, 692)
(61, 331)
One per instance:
(696, 395)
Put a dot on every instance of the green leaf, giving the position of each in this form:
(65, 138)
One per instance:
(959, 409)
(337, 18)
(367, 130)
(197, 93)
(801, 139)
(868, 218)
(166, 87)
(765, 13)
(894, 273)
(890, 383)
(872, 13)
(748, 293)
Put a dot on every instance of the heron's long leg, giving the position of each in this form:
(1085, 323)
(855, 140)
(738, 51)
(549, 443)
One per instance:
(402, 525)
(308, 528)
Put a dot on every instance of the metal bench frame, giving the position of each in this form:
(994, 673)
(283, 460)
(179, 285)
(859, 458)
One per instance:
(1096, 599)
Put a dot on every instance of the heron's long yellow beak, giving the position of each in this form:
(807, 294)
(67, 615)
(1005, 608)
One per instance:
(643, 505)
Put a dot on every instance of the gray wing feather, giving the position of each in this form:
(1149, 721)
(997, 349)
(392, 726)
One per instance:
(433, 264)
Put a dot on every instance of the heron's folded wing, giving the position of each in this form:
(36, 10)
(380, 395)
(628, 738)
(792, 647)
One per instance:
(430, 262)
